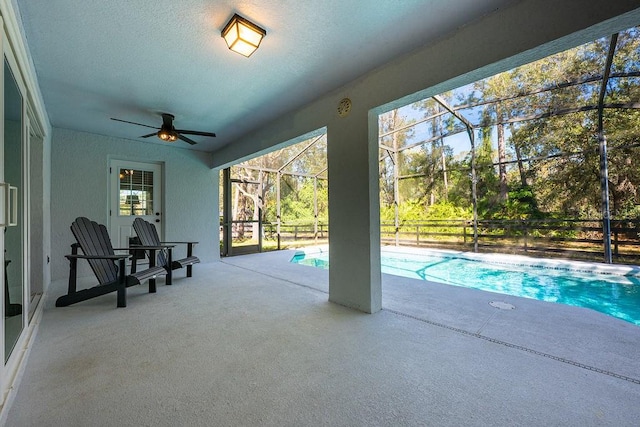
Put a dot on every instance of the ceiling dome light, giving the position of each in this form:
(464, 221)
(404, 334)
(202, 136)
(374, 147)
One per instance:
(242, 36)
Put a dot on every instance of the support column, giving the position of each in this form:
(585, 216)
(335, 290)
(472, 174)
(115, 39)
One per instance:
(396, 190)
(315, 208)
(278, 222)
(602, 149)
(474, 188)
(604, 185)
(226, 212)
(354, 211)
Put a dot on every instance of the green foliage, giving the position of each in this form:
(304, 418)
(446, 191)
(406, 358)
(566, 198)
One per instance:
(542, 162)
(447, 210)
(629, 210)
(257, 187)
(297, 207)
(414, 210)
(520, 204)
(410, 210)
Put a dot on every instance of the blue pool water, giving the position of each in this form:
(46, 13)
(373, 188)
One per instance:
(614, 294)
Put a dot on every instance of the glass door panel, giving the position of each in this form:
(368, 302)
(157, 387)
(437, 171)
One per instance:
(13, 232)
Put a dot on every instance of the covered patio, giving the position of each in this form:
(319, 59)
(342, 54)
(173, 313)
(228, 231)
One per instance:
(255, 340)
(252, 340)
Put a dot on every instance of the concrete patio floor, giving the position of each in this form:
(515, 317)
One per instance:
(580, 335)
(253, 340)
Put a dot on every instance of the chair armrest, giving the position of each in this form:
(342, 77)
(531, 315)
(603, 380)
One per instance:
(76, 256)
(181, 243)
(140, 247)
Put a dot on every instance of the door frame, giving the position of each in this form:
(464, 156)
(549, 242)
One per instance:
(13, 47)
(228, 248)
(13, 362)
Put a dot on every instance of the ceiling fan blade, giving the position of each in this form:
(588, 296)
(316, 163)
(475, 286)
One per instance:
(195, 132)
(133, 123)
(187, 140)
(151, 134)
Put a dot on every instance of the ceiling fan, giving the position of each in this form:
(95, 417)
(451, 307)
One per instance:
(167, 132)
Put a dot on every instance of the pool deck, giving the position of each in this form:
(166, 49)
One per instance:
(573, 335)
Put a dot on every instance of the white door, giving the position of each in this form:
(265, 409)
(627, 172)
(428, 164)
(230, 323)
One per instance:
(136, 191)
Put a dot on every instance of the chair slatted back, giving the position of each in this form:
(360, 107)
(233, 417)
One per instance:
(148, 236)
(93, 239)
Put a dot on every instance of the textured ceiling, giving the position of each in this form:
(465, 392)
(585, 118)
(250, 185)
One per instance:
(132, 60)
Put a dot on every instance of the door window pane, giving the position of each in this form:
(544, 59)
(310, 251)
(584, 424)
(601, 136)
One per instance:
(136, 192)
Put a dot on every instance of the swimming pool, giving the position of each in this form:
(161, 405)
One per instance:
(613, 290)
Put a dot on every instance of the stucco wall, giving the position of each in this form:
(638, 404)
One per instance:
(80, 185)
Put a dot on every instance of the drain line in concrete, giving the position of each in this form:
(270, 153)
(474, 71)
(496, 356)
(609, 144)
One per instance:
(521, 348)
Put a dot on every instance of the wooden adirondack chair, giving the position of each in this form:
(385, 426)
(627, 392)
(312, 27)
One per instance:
(93, 239)
(149, 237)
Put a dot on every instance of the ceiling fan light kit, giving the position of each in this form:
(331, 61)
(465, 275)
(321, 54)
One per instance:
(168, 133)
(242, 36)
